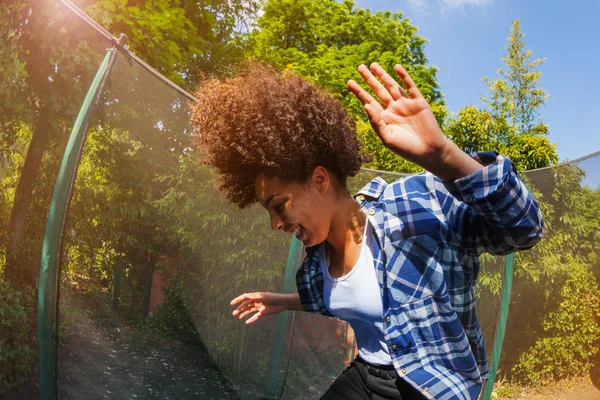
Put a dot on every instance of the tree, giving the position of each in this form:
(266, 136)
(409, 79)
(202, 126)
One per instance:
(179, 38)
(55, 69)
(326, 40)
(552, 327)
(546, 339)
(517, 96)
(50, 72)
(511, 121)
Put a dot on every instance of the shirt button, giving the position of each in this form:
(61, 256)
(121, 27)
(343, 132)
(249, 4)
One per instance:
(426, 389)
(403, 371)
(371, 212)
(361, 198)
(394, 347)
(387, 319)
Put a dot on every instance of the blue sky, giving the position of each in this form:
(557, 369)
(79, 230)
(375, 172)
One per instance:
(467, 39)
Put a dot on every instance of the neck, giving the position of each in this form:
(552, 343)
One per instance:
(347, 227)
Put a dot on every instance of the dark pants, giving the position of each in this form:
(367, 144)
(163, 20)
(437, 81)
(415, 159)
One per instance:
(362, 381)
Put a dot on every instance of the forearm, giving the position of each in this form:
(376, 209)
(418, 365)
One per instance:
(291, 301)
(495, 212)
(451, 164)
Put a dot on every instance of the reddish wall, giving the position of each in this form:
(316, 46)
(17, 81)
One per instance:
(316, 336)
(159, 280)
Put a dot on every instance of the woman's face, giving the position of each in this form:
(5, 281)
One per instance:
(302, 209)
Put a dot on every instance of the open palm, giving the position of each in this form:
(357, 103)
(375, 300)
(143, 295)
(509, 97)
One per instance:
(404, 122)
(260, 304)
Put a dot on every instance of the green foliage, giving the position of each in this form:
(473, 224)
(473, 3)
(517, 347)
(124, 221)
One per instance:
(517, 96)
(573, 333)
(12, 68)
(14, 141)
(172, 320)
(326, 40)
(476, 130)
(551, 328)
(58, 67)
(227, 252)
(511, 123)
(17, 336)
(43, 78)
(141, 192)
(179, 38)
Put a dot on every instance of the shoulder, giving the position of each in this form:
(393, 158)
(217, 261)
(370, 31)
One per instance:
(406, 207)
(403, 188)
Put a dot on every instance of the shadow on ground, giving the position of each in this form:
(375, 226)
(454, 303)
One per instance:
(122, 363)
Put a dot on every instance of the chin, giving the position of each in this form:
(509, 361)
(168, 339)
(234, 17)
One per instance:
(310, 242)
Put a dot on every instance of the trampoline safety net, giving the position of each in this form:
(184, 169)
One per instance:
(152, 256)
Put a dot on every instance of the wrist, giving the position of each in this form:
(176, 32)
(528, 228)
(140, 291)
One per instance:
(452, 163)
(292, 302)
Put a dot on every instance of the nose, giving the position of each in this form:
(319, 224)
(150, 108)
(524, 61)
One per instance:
(276, 223)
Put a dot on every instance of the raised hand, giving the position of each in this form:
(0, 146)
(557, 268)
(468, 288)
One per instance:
(263, 304)
(406, 124)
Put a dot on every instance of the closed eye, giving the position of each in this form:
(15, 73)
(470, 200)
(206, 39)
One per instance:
(279, 207)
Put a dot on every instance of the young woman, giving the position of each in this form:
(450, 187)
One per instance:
(399, 261)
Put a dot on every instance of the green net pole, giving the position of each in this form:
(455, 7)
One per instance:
(289, 279)
(55, 223)
(501, 328)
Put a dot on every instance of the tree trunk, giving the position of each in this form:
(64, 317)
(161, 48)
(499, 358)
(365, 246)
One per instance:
(22, 272)
(148, 277)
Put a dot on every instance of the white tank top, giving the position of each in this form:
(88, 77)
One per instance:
(356, 298)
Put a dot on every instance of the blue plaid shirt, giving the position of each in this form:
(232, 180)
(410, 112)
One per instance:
(428, 236)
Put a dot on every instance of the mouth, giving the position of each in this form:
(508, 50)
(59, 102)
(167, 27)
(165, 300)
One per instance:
(297, 231)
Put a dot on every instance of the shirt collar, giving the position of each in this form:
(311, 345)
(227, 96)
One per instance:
(373, 189)
(368, 198)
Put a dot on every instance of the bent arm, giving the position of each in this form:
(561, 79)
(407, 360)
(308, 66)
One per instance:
(491, 209)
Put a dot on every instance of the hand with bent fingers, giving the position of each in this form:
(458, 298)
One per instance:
(263, 304)
(406, 125)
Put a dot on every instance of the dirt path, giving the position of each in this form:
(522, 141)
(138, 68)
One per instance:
(120, 363)
(103, 362)
(573, 389)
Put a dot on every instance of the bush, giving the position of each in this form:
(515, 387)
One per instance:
(172, 320)
(574, 333)
(16, 334)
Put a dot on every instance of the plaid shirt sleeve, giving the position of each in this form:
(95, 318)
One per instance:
(309, 282)
(491, 210)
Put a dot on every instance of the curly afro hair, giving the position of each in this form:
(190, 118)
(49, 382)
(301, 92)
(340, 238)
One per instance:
(266, 121)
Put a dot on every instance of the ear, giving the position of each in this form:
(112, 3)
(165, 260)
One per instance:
(320, 179)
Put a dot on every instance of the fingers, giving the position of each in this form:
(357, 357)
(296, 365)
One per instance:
(377, 122)
(372, 106)
(411, 88)
(391, 90)
(242, 308)
(245, 297)
(393, 87)
(250, 303)
(248, 312)
(379, 90)
(363, 96)
(259, 313)
(248, 308)
(254, 318)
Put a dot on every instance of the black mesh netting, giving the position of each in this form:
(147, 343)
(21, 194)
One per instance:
(153, 255)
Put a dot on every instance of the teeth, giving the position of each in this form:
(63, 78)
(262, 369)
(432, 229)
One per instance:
(297, 230)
